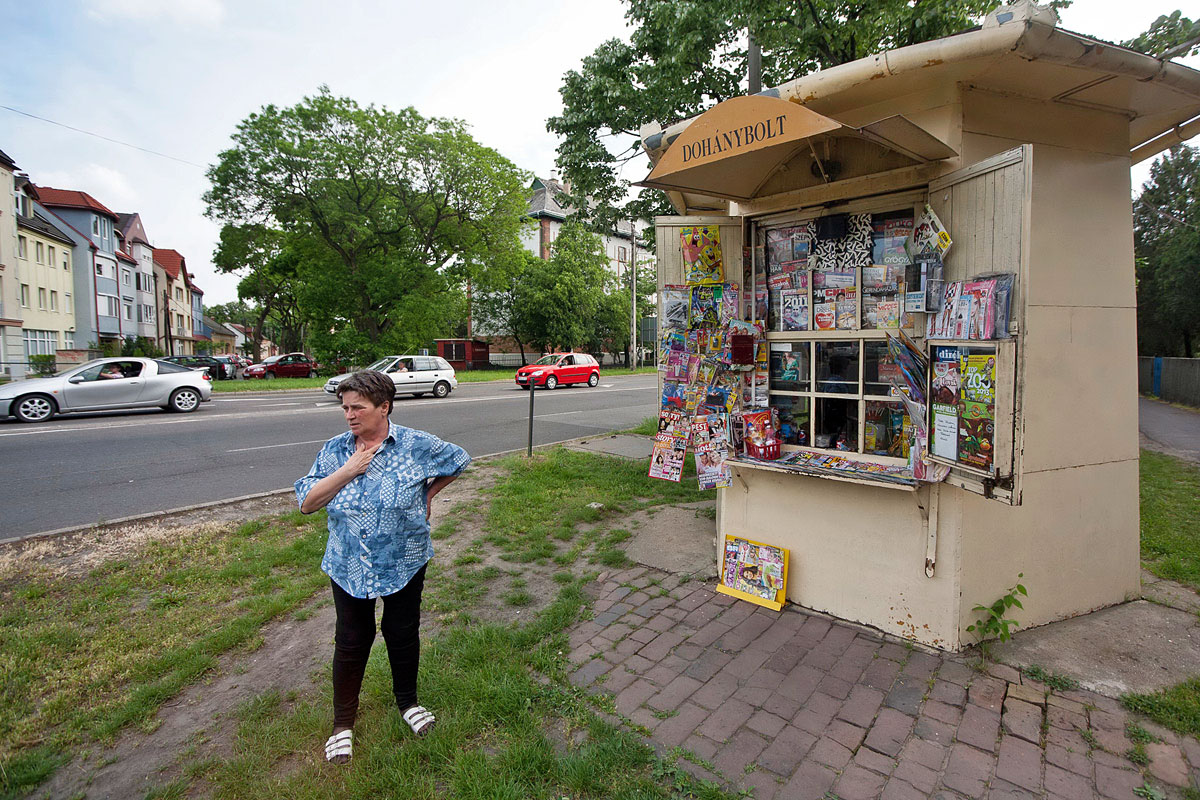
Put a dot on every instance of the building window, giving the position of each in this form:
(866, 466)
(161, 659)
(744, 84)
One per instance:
(178, 294)
(22, 247)
(110, 306)
(41, 252)
(127, 311)
(96, 226)
(68, 340)
(69, 307)
(99, 269)
(39, 343)
(54, 301)
(622, 254)
(50, 256)
(66, 261)
(25, 295)
(42, 299)
(125, 279)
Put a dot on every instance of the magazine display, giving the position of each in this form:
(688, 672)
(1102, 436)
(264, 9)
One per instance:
(675, 303)
(753, 569)
(973, 310)
(976, 409)
(701, 247)
(928, 236)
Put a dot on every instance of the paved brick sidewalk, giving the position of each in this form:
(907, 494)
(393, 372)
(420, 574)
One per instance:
(795, 705)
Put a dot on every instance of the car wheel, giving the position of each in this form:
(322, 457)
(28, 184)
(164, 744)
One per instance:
(441, 389)
(184, 400)
(551, 382)
(34, 408)
(312, 373)
(593, 379)
(270, 376)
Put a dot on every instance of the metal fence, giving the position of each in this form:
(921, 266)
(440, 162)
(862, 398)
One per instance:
(1173, 379)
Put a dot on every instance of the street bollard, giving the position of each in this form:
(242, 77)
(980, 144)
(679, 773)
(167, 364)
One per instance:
(532, 391)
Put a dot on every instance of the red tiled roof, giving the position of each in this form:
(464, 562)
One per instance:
(71, 198)
(126, 256)
(170, 260)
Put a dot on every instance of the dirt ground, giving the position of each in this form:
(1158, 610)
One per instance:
(293, 659)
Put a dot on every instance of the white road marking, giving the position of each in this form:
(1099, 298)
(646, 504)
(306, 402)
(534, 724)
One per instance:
(270, 405)
(269, 446)
(330, 407)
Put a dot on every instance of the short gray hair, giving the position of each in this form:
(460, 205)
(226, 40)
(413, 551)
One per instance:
(375, 386)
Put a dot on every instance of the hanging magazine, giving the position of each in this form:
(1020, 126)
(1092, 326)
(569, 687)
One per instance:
(705, 310)
(666, 462)
(702, 262)
(928, 236)
(675, 301)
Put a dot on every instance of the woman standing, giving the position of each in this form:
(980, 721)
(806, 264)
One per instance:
(378, 481)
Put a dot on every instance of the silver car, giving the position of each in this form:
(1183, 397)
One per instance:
(415, 375)
(105, 384)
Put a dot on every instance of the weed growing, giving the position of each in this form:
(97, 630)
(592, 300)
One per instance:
(1176, 707)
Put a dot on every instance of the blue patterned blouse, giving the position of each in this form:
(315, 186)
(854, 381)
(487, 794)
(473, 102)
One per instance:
(378, 531)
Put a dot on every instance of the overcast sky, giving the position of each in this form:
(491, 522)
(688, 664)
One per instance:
(176, 76)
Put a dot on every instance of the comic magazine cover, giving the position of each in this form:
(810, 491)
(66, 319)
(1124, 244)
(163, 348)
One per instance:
(887, 314)
(666, 462)
(982, 296)
(847, 312)
(928, 236)
(673, 395)
(976, 407)
(753, 569)
(675, 306)
(676, 366)
(729, 303)
(705, 307)
(702, 254)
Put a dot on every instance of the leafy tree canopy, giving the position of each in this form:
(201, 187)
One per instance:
(1171, 34)
(685, 56)
(377, 214)
(1166, 230)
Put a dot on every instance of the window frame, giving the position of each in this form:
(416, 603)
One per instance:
(758, 226)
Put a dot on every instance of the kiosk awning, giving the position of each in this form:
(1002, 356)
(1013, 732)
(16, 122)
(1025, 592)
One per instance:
(734, 148)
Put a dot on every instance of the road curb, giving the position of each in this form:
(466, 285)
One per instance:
(109, 523)
(170, 512)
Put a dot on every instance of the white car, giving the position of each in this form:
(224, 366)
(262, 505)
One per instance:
(106, 384)
(415, 375)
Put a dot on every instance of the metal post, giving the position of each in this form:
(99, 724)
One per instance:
(532, 391)
(632, 292)
(754, 57)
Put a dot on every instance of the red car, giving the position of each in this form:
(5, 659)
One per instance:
(557, 369)
(289, 365)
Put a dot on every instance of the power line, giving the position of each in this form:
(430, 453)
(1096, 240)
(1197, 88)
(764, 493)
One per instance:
(101, 136)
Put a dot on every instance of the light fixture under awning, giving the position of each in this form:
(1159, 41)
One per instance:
(734, 148)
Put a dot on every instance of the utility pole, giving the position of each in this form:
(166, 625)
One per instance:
(632, 292)
(754, 57)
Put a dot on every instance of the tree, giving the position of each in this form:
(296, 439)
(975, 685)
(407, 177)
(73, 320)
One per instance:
(389, 214)
(1168, 36)
(236, 312)
(1166, 235)
(685, 56)
(558, 301)
(500, 310)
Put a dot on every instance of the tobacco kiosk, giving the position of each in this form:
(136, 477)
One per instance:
(1018, 138)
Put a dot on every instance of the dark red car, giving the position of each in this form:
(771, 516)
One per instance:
(558, 369)
(289, 365)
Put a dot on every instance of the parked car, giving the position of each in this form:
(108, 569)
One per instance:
(415, 375)
(231, 365)
(243, 361)
(558, 369)
(215, 368)
(288, 365)
(104, 384)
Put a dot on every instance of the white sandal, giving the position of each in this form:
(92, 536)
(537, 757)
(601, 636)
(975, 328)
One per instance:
(420, 719)
(338, 747)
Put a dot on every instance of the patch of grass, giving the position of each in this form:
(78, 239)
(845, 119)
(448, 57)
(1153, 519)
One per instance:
(274, 385)
(444, 529)
(1056, 681)
(1170, 504)
(496, 735)
(1092, 742)
(1176, 707)
(540, 502)
(1136, 733)
(1137, 754)
(82, 658)
(647, 427)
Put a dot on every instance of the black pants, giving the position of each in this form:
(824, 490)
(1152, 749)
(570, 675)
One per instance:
(354, 635)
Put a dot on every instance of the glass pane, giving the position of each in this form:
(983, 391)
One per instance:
(790, 366)
(837, 367)
(881, 296)
(887, 428)
(878, 369)
(788, 293)
(836, 424)
(793, 418)
(835, 299)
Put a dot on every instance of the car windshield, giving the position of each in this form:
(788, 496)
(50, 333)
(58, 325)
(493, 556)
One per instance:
(547, 360)
(271, 359)
(382, 364)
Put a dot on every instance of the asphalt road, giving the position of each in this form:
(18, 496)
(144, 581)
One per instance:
(79, 470)
(1174, 429)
